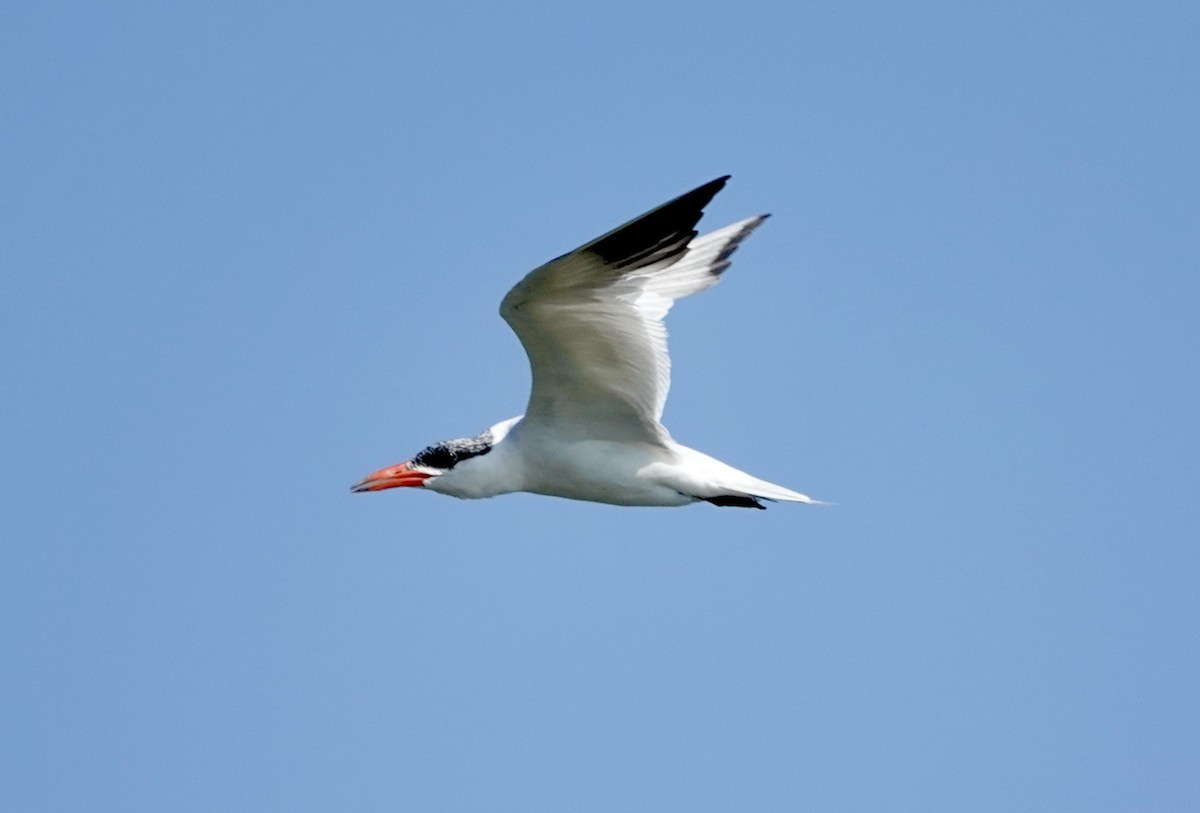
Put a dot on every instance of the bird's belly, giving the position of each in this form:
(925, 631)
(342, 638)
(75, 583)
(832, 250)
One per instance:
(644, 494)
(602, 472)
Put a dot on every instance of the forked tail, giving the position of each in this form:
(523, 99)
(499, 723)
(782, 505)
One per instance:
(732, 487)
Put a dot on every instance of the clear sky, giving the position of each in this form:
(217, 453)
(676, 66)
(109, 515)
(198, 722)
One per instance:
(252, 252)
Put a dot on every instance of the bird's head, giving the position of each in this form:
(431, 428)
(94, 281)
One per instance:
(427, 465)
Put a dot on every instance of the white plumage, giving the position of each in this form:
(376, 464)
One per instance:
(591, 322)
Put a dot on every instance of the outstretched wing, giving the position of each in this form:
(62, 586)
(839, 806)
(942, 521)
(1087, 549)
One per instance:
(591, 321)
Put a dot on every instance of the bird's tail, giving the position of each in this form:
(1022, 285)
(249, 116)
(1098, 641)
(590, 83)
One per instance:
(725, 485)
(754, 487)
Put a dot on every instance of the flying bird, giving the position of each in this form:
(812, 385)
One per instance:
(591, 323)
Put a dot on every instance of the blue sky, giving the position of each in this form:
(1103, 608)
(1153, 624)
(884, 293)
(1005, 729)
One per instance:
(254, 251)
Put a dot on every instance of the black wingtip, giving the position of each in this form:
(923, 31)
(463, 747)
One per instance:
(658, 235)
(696, 199)
(709, 189)
(734, 501)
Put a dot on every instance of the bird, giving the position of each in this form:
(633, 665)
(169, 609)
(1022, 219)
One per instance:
(591, 323)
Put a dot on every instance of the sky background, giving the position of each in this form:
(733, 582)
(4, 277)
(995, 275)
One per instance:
(254, 251)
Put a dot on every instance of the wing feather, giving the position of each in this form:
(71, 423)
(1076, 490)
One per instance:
(591, 321)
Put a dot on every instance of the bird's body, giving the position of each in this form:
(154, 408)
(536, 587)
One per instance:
(591, 323)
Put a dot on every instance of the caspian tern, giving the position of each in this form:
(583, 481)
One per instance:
(591, 323)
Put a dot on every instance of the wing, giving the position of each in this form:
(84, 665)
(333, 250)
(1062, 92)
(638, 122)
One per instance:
(591, 321)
